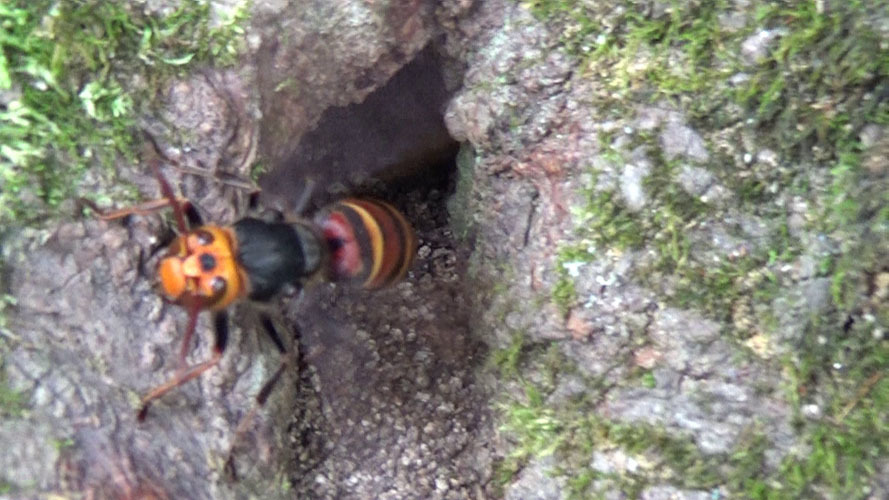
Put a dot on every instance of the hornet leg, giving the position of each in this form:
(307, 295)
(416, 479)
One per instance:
(263, 394)
(189, 372)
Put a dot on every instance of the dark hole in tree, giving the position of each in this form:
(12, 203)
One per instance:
(396, 136)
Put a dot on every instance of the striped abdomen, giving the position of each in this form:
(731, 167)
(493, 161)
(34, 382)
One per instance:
(369, 241)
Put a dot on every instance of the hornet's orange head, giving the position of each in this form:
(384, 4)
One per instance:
(201, 268)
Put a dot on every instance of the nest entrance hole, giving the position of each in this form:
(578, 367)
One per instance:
(395, 141)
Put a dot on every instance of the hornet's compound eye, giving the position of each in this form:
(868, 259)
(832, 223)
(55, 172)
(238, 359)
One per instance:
(208, 262)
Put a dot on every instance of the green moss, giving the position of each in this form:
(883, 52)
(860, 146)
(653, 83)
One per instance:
(684, 463)
(842, 289)
(573, 432)
(12, 403)
(611, 222)
(663, 226)
(841, 461)
(257, 170)
(6, 301)
(63, 444)
(673, 213)
(65, 67)
(533, 424)
(843, 207)
(579, 39)
(459, 206)
(684, 48)
(539, 423)
(507, 360)
(564, 294)
(648, 380)
(606, 222)
(581, 483)
(688, 30)
(716, 289)
(494, 293)
(534, 430)
(847, 379)
(819, 83)
(747, 476)
(812, 87)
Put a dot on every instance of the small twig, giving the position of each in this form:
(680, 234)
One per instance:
(862, 392)
(220, 177)
(146, 208)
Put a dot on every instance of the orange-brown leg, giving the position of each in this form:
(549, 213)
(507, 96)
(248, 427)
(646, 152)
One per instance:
(146, 208)
(261, 397)
(193, 311)
(183, 376)
(182, 208)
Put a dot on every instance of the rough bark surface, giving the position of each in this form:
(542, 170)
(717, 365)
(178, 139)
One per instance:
(393, 396)
(383, 403)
